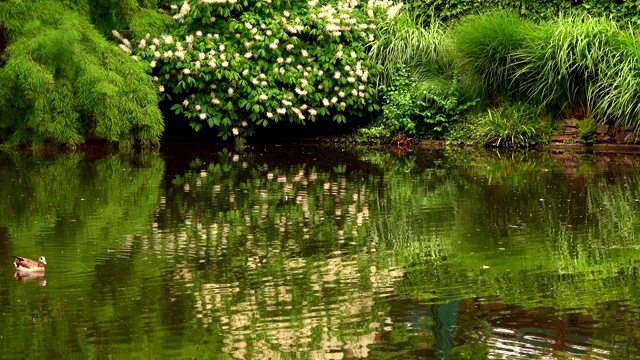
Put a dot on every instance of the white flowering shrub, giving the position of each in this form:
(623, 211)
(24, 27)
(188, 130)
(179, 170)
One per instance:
(236, 65)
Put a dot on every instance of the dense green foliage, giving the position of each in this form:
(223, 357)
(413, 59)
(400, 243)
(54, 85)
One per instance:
(570, 67)
(451, 10)
(414, 107)
(234, 66)
(60, 80)
(513, 125)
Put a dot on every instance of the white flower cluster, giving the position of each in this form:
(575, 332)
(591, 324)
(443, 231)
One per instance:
(125, 45)
(184, 10)
(218, 1)
(294, 28)
(339, 19)
(293, 60)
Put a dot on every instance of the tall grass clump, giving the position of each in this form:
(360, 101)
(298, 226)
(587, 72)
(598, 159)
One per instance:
(618, 89)
(513, 125)
(565, 63)
(425, 52)
(486, 46)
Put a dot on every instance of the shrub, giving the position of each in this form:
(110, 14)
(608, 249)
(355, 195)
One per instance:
(413, 106)
(513, 125)
(61, 79)
(237, 65)
(451, 10)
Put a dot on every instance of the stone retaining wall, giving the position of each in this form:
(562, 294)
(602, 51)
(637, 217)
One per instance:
(605, 134)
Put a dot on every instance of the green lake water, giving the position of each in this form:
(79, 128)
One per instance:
(320, 252)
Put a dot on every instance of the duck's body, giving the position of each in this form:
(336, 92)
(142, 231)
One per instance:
(27, 266)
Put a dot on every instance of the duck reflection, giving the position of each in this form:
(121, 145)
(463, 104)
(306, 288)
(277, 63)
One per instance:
(31, 277)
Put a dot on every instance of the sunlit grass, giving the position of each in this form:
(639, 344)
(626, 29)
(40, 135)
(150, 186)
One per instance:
(513, 125)
(426, 52)
(486, 46)
(565, 63)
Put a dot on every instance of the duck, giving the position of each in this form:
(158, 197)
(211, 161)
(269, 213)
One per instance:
(24, 265)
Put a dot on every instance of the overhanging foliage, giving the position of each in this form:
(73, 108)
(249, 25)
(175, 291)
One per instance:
(61, 80)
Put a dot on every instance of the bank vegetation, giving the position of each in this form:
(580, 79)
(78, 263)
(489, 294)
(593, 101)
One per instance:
(459, 71)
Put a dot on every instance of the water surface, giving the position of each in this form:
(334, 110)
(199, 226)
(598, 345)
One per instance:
(321, 252)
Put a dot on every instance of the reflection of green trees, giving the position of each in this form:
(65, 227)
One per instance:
(108, 198)
(545, 233)
(79, 212)
(470, 223)
(254, 257)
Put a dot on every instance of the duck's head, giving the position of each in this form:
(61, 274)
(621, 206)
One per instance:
(42, 260)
